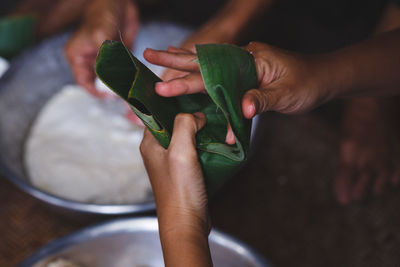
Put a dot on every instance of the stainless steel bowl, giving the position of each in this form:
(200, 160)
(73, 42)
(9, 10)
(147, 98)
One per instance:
(25, 88)
(134, 242)
(32, 79)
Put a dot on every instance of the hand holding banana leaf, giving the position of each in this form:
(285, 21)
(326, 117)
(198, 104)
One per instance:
(227, 71)
(180, 194)
(287, 82)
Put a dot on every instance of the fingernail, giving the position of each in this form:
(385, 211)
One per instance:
(159, 86)
(199, 115)
(251, 110)
(230, 138)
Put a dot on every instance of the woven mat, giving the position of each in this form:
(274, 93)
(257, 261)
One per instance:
(26, 224)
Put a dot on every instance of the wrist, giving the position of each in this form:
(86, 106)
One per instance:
(184, 245)
(332, 77)
(189, 220)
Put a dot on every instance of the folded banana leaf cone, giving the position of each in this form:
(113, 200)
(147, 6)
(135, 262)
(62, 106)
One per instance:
(227, 71)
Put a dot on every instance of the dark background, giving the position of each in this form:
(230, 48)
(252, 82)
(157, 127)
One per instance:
(281, 203)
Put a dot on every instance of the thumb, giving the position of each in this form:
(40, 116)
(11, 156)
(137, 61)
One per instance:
(256, 101)
(185, 128)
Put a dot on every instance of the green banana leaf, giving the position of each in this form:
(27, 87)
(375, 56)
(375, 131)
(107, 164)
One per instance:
(227, 71)
(16, 34)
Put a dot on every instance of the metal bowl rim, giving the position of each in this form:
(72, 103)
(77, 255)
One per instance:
(129, 225)
(97, 209)
(100, 209)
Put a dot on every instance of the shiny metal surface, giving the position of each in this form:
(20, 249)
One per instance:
(28, 84)
(134, 242)
(32, 79)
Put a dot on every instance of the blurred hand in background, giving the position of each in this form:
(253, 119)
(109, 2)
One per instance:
(102, 20)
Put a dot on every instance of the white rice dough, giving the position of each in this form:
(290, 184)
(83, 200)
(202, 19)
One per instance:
(61, 263)
(81, 148)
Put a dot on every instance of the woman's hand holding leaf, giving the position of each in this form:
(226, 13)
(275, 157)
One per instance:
(287, 81)
(179, 190)
(185, 61)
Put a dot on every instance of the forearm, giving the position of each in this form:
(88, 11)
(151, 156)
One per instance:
(102, 18)
(237, 15)
(228, 24)
(63, 15)
(184, 238)
(52, 16)
(369, 68)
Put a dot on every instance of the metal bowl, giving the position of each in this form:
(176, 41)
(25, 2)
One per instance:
(31, 80)
(134, 242)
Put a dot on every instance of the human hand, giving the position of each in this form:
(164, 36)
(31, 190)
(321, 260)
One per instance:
(102, 23)
(176, 175)
(179, 191)
(369, 150)
(208, 34)
(288, 82)
(230, 24)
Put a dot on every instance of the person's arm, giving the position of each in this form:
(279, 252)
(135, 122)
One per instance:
(179, 191)
(228, 25)
(103, 19)
(294, 83)
(53, 16)
(369, 68)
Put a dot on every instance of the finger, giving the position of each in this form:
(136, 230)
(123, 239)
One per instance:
(343, 184)
(185, 129)
(380, 184)
(177, 50)
(84, 60)
(131, 116)
(147, 137)
(153, 155)
(150, 146)
(171, 74)
(256, 101)
(360, 187)
(146, 142)
(86, 79)
(249, 108)
(255, 46)
(178, 61)
(190, 84)
(230, 137)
